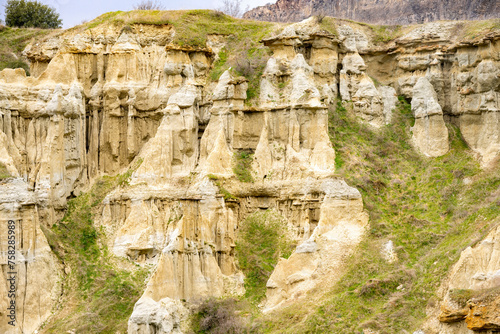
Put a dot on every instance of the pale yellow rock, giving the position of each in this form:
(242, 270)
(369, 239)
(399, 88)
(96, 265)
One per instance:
(478, 269)
(430, 134)
(219, 160)
(369, 103)
(166, 316)
(37, 273)
(102, 100)
(5, 157)
(321, 259)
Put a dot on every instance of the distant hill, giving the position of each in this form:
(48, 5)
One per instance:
(378, 11)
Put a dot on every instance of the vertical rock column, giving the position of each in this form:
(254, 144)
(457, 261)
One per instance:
(29, 276)
(430, 134)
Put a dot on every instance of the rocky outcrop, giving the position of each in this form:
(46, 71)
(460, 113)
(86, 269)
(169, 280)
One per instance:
(379, 12)
(463, 75)
(92, 103)
(483, 315)
(470, 295)
(321, 258)
(477, 97)
(166, 316)
(430, 134)
(30, 280)
(105, 99)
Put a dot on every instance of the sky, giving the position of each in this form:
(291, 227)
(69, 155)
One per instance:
(73, 12)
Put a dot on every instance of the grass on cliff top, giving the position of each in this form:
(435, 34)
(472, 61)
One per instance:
(12, 43)
(471, 30)
(384, 33)
(421, 204)
(328, 23)
(191, 26)
(243, 52)
(99, 297)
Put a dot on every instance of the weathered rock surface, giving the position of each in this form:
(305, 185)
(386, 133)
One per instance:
(379, 12)
(31, 274)
(163, 317)
(430, 134)
(104, 100)
(477, 274)
(321, 258)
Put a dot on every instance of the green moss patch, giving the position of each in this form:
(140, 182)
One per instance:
(262, 239)
(4, 173)
(243, 166)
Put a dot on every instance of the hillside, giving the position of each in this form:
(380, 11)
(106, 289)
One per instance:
(186, 171)
(400, 12)
(13, 42)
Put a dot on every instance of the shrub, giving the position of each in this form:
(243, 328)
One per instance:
(17, 63)
(149, 5)
(218, 316)
(243, 166)
(231, 7)
(34, 14)
(320, 17)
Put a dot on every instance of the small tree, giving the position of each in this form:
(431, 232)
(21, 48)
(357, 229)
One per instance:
(31, 14)
(231, 7)
(149, 5)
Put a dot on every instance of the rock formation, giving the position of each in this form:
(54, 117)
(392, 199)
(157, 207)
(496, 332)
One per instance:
(31, 274)
(470, 295)
(429, 133)
(104, 99)
(321, 258)
(379, 12)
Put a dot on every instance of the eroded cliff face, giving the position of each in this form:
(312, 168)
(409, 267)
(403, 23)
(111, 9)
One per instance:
(378, 12)
(470, 295)
(31, 273)
(104, 99)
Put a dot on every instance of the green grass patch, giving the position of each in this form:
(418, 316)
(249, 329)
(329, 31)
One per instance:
(461, 296)
(219, 66)
(220, 184)
(329, 25)
(104, 295)
(421, 204)
(476, 29)
(243, 166)
(12, 43)
(4, 173)
(262, 239)
(384, 34)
